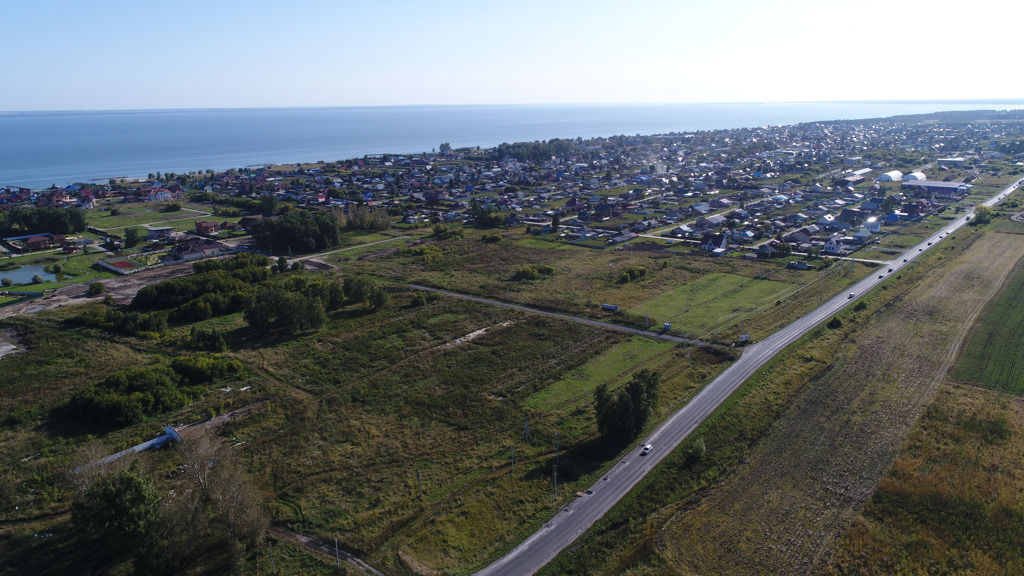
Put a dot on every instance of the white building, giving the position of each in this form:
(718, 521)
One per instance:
(891, 176)
(915, 176)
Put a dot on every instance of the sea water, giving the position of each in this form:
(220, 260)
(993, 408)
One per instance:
(38, 149)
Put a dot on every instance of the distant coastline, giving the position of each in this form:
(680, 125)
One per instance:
(41, 148)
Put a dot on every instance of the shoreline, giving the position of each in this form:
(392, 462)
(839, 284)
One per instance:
(70, 147)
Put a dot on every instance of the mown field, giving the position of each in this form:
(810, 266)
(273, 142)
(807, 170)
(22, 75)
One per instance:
(807, 477)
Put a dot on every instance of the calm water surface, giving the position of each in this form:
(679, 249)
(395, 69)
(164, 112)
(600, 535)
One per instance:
(38, 149)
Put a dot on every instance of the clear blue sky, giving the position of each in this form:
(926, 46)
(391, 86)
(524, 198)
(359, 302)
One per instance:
(127, 54)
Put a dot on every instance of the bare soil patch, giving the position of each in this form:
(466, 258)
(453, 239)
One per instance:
(122, 289)
(8, 343)
(472, 335)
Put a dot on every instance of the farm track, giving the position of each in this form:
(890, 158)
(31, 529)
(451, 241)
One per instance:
(782, 510)
(322, 548)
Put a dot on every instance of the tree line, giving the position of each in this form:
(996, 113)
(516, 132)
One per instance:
(25, 220)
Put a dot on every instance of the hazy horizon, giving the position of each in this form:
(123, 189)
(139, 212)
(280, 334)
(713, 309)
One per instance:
(123, 55)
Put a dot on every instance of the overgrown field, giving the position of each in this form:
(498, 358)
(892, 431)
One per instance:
(805, 482)
(340, 425)
(778, 512)
(650, 288)
(951, 502)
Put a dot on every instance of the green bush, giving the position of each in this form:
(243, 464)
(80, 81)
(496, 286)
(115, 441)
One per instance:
(533, 272)
(632, 273)
(129, 397)
(445, 232)
(201, 368)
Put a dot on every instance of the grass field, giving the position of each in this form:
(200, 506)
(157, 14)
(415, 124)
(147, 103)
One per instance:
(993, 356)
(815, 458)
(694, 307)
(805, 482)
(140, 214)
(345, 420)
(950, 503)
(610, 366)
(583, 279)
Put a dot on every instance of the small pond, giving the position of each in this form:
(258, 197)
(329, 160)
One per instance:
(24, 274)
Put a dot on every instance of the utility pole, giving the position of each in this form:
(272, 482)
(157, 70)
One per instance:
(271, 557)
(337, 554)
(419, 480)
(526, 429)
(555, 478)
(556, 448)
(513, 457)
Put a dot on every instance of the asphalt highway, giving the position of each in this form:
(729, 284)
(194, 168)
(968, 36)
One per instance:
(577, 516)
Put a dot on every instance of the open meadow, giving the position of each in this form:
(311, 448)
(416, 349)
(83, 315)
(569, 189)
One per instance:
(951, 501)
(780, 510)
(344, 426)
(700, 296)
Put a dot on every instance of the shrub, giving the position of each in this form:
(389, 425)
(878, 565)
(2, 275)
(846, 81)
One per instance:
(96, 288)
(632, 273)
(835, 323)
(129, 396)
(208, 340)
(445, 232)
(533, 272)
(200, 368)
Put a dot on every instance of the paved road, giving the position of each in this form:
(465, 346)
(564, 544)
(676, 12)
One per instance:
(577, 516)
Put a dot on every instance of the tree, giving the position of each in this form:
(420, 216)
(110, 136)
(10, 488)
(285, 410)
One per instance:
(982, 215)
(132, 236)
(622, 415)
(120, 513)
(556, 221)
(7, 282)
(784, 249)
(96, 288)
(275, 308)
(269, 203)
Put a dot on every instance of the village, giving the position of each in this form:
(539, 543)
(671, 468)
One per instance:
(809, 190)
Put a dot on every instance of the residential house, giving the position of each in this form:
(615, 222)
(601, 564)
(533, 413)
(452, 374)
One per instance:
(157, 233)
(834, 245)
(38, 242)
(710, 222)
(198, 248)
(714, 243)
(206, 228)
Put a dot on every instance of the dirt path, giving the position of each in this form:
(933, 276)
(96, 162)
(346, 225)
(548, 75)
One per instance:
(323, 548)
(122, 288)
(782, 510)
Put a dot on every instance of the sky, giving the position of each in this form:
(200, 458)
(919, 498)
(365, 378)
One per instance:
(132, 54)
